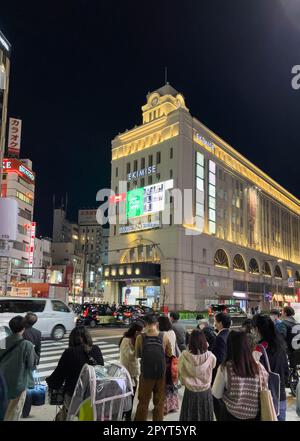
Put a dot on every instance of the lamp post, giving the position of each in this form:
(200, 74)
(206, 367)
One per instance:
(164, 282)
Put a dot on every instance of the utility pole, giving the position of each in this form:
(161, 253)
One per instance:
(84, 277)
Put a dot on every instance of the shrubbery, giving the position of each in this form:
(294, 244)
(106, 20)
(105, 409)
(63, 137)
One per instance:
(191, 315)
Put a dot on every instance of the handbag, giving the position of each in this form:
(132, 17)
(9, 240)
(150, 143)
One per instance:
(273, 382)
(267, 410)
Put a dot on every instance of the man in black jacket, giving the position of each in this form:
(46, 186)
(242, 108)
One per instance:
(219, 349)
(35, 337)
(33, 334)
(210, 335)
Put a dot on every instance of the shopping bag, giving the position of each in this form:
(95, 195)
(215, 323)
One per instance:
(267, 410)
(273, 382)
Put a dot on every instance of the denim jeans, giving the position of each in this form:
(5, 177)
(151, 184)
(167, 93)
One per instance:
(282, 411)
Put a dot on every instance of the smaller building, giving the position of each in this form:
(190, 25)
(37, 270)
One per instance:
(42, 260)
(18, 183)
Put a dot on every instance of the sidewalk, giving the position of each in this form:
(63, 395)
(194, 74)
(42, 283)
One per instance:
(47, 412)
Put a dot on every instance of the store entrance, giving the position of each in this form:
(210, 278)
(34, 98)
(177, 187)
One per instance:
(134, 294)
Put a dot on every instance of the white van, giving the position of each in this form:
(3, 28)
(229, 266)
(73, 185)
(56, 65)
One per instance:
(55, 318)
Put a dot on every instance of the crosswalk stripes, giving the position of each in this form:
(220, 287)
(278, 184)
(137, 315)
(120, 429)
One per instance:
(52, 351)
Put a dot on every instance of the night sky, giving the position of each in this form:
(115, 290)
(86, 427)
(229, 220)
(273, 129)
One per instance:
(81, 71)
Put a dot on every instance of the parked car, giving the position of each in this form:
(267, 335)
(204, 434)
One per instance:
(95, 315)
(237, 314)
(55, 318)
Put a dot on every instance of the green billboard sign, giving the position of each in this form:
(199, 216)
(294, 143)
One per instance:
(135, 202)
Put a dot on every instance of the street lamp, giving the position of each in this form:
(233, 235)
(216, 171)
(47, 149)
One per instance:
(164, 282)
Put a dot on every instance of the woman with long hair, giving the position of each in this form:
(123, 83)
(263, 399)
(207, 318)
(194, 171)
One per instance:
(171, 400)
(195, 372)
(80, 351)
(238, 381)
(275, 349)
(128, 358)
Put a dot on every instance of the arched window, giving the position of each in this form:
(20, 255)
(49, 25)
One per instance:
(253, 266)
(221, 259)
(267, 269)
(297, 276)
(277, 272)
(239, 263)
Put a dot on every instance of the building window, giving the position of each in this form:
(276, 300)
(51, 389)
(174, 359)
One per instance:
(204, 255)
(128, 167)
(239, 263)
(150, 160)
(117, 172)
(128, 186)
(199, 190)
(158, 176)
(135, 165)
(157, 157)
(171, 153)
(277, 272)
(149, 180)
(142, 163)
(142, 182)
(171, 174)
(253, 266)
(221, 259)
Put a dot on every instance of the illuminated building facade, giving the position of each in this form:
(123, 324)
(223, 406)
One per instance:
(240, 241)
(18, 182)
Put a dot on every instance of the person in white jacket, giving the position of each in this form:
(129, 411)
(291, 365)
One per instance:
(195, 367)
(128, 358)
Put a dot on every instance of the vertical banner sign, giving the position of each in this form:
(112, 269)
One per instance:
(14, 137)
(31, 247)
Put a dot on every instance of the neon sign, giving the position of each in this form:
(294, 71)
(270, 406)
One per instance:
(140, 173)
(31, 246)
(16, 166)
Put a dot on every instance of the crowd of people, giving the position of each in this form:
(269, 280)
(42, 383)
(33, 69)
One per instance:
(221, 370)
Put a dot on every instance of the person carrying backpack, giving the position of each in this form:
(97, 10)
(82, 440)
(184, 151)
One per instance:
(17, 361)
(152, 347)
(292, 329)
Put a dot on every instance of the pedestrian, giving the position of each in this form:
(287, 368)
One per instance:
(222, 325)
(195, 372)
(275, 349)
(3, 397)
(291, 330)
(247, 327)
(171, 393)
(219, 349)
(204, 325)
(238, 379)
(152, 347)
(128, 358)
(179, 330)
(17, 361)
(35, 337)
(280, 327)
(80, 351)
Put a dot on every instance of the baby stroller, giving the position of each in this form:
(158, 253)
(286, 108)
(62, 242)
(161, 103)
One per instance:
(102, 393)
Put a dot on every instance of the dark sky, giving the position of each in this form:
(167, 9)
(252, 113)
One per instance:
(81, 71)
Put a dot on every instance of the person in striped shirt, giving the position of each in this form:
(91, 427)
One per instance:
(238, 380)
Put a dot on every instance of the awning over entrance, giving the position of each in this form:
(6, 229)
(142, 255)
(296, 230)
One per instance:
(132, 271)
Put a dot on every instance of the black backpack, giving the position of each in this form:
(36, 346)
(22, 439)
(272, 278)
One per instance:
(153, 362)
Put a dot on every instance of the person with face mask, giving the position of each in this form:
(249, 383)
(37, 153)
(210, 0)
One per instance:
(279, 325)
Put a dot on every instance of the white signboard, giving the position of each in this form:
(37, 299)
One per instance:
(139, 227)
(9, 219)
(154, 196)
